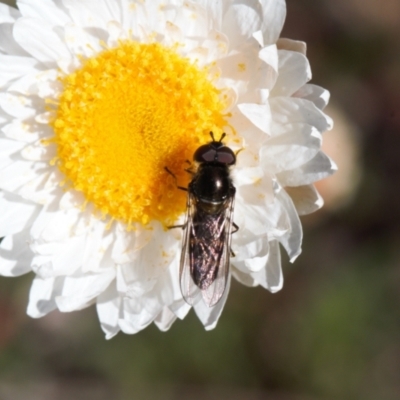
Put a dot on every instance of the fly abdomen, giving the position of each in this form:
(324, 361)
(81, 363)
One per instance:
(206, 243)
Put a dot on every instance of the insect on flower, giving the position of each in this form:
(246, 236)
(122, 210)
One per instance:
(206, 247)
(88, 122)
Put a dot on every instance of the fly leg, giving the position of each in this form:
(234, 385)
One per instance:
(183, 226)
(236, 229)
(190, 168)
(176, 181)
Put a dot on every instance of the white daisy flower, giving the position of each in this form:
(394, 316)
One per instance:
(97, 97)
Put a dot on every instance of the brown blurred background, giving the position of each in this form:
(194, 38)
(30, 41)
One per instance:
(333, 332)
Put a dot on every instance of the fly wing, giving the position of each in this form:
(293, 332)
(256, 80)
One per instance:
(213, 293)
(190, 291)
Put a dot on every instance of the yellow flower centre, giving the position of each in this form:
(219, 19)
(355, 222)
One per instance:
(123, 117)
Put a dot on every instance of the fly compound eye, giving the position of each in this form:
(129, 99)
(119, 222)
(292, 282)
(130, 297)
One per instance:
(205, 153)
(225, 156)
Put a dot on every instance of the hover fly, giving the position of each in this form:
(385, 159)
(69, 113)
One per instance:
(206, 246)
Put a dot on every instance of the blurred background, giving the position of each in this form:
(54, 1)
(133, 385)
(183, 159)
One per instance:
(333, 332)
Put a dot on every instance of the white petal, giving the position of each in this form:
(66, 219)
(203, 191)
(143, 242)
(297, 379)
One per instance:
(294, 72)
(116, 34)
(8, 150)
(240, 67)
(93, 13)
(258, 35)
(40, 40)
(108, 307)
(209, 315)
(8, 14)
(180, 308)
(278, 221)
(7, 42)
(127, 244)
(33, 181)
(271, 277)
(273, 17)
(19, 106)
(83, 224)
(132, 324)
(255, 264)
(132, 280)
(320, 167)
(70, 252)
(257, 193)
(20, 173)
(69, 65)
(133, 18)
(318, 95)
(291, 240)
(46, 117)
(82, 42)
(99, 241)
(289, 110)
(269, 55)
(78, 292)
(267, 218)
(66, 258)
(251, 219)
(305, 198)
(298, 145)
(48, 10)
(25, 132)
(215, 10)
(292, 45)
(42, 296)
(154, 258)
(243, 277)
(252, 256)
(72, 199)
(126, 11)
(241, 21)
(247, 245)
(148, 305)
(43, 220)
(165, 319)
(169, 286)
(15, 255)
(4, 118)
(190, 18)
(39, 151)
(48, 84)
(16, 213)
(44, 187)
(217, 45)
(135, 317)
(258, 114)
(247, 175)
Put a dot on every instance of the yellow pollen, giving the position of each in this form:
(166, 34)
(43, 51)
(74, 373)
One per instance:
(242, 67)
(123, 117)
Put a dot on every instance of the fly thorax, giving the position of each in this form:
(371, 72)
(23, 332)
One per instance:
(212, 183)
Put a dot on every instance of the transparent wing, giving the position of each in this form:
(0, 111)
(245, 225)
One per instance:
(213, 293)
(190, 292)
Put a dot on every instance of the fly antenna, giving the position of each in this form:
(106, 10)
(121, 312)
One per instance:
(220, 139)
